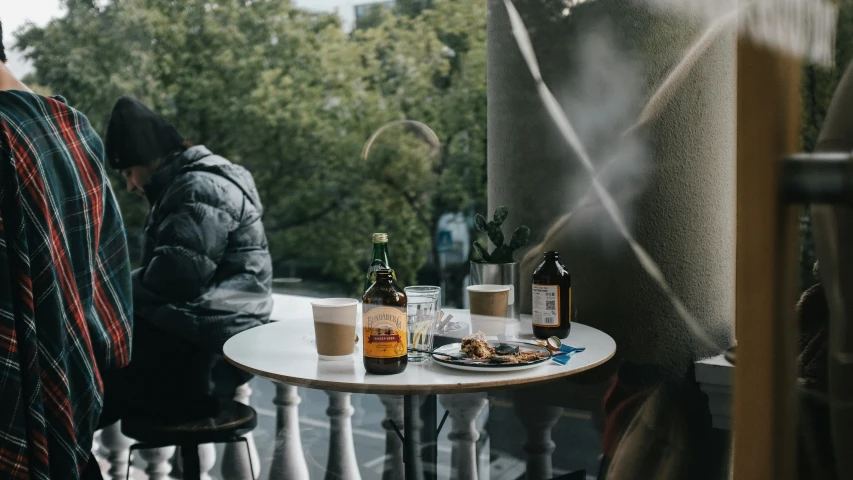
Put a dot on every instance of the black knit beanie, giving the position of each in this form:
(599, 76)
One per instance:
(138, 136)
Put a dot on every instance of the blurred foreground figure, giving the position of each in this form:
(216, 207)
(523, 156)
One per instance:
(205, 273)
(825, 428)
(65, 313)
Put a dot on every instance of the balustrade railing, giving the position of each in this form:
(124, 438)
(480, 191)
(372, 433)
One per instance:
(288, 458)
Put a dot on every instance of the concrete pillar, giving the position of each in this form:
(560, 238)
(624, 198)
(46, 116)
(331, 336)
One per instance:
(675, 177)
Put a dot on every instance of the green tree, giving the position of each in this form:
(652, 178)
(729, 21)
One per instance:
(291, 96)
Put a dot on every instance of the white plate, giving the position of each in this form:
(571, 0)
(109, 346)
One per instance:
(457, 347)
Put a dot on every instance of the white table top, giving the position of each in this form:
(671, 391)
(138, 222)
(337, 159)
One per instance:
(284, 351)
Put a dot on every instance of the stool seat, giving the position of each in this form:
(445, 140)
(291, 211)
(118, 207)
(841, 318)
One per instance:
(234, 420)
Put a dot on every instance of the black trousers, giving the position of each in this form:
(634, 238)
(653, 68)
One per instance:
(92, 470)
(168, 380)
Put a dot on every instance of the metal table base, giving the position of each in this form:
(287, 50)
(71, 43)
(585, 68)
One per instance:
(422, 451)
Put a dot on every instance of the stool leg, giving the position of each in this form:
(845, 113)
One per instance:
(249, 452)
(129, 460)
(191, 462)
(244, 441)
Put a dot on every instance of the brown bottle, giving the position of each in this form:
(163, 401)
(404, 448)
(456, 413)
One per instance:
(384, 324)
(552, 298)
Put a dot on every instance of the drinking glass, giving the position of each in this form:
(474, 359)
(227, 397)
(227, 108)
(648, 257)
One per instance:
(424, 307)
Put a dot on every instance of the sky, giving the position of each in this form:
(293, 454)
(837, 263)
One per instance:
(16, 13)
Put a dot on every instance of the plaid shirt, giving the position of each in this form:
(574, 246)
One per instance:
(65, 293)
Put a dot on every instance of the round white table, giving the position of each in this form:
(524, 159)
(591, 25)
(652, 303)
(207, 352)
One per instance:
(285, 352)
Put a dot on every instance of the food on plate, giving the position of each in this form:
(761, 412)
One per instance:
(477, 347)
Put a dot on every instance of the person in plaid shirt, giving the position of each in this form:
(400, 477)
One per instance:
(65, 288)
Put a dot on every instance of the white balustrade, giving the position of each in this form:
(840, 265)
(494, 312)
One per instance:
(177, 468)
(393, 446)
(483, 448)
(157, 465)
(116, 448)
(235, 459)
(206, 460)
(464, 410)
(288, 461)
(342, 463)
(538, 420)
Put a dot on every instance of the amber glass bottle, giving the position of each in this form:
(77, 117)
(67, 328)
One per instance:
(552, 298)
(384, 324)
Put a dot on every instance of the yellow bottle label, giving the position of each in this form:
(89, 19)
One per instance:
(385, 332)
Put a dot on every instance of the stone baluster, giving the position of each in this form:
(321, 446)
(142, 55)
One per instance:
(288, 461)
(157, 466)
(177, 468)
(393, 446)
(116, 448)
(342, 463)
(206, 460)
(538, 420)
(483, 448)
(235, 459)
(464, 410)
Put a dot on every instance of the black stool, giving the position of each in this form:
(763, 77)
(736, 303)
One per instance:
(233, 421)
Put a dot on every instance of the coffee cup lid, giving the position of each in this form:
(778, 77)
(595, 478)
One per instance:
(333, 302)
(488, 288)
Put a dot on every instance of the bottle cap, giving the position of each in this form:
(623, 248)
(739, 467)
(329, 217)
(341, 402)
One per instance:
(380, 238)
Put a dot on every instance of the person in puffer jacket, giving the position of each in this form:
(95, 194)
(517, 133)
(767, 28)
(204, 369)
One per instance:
(205, 273)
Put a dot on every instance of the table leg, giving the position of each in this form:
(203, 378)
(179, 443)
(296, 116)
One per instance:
(411, 440)
(429, 436)
(342, 462)
(464, 410)
(394, 466)
(288, 460)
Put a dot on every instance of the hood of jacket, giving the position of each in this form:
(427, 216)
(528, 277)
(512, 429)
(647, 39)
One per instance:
(200, 159)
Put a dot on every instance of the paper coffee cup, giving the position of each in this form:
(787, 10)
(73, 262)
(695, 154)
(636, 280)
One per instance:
(334, 327)
(488, 308)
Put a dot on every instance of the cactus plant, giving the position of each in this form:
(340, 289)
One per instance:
(503, 253)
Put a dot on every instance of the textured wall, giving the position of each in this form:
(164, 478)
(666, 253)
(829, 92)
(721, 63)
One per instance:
(675, 177)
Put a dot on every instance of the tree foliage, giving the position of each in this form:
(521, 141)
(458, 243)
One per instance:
(291, 96)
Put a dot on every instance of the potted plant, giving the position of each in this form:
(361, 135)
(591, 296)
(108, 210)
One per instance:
(499, 267)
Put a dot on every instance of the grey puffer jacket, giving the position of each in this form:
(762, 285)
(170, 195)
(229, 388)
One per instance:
(206, 272)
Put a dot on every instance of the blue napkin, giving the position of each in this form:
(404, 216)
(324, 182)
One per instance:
(565, 354)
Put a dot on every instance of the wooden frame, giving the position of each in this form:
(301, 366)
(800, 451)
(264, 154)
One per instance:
(768, 121)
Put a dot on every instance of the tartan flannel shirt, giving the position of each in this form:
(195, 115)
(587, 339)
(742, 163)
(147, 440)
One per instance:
(65, 292)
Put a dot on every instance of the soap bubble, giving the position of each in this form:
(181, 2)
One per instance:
(405, 154)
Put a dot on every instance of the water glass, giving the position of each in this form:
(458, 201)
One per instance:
(424, 307)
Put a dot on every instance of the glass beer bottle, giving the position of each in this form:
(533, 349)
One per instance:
(378, 260)
(552, 298)
(384, 324)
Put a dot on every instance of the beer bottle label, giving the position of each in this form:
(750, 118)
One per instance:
(546, 305)
(385, 332)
